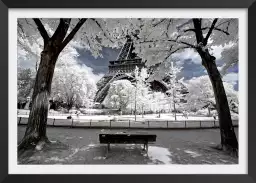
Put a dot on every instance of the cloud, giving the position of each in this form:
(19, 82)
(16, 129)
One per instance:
(95, 77)
(188, 54)
(216, 51)
(190, 70)
(231, 78)
(99, 65)
(195, 57)
(27, 63)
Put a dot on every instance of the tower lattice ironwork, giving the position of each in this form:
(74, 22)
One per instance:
(121, 68)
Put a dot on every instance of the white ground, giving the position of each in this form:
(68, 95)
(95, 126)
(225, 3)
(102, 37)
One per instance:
(148, 117)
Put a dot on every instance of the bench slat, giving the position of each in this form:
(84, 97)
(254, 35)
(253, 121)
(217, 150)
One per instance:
(127, 138)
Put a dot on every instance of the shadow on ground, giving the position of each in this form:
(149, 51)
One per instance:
(78, 146)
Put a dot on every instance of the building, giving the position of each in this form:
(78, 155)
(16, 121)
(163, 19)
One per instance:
(122, 68)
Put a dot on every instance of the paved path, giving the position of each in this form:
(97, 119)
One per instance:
(171, 147)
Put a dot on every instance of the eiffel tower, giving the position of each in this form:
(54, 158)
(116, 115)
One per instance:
(122, 68)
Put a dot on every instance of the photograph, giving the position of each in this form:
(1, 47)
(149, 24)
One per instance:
(128, 91)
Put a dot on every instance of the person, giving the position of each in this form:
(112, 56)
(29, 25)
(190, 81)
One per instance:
(77, 114)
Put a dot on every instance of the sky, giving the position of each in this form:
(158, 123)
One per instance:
(189, 60)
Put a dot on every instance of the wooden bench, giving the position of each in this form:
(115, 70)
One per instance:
(127, 138)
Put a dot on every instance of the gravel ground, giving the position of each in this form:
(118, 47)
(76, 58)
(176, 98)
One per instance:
(172, 147)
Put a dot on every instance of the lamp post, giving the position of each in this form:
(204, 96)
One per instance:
(135, 98)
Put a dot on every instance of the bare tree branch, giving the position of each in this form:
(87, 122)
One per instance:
(73, 32)
(181, 48)
(168, 26)
(62, 29)
(182, 42)
(104, 33)
(228, 21)
(204, 28)
(156, 24)
(205, 40)
(187, 30)
(41, 29)
(227, 33)
(198, 30)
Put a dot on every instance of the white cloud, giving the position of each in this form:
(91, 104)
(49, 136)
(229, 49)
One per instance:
(195, 57)
(231, 78)
(95, 77)
(216, 51)
(188, 54)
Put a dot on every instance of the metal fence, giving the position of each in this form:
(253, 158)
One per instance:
(73, 123)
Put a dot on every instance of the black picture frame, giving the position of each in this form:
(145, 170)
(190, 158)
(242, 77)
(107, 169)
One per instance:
(250, 5)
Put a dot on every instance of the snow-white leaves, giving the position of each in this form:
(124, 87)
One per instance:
(230, 57)
(120, 94)
(72, 83)
(201, 93)
(159, 38)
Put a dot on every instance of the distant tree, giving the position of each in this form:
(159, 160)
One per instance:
(72, 84)
(25, 84)
(201, 94)
(142, 90)
(175, 86)
(120, 95)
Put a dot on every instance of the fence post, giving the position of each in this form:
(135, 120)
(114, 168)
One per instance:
(53, 121)
(185, 124)
(110, 123)
(19, 120)
(148, 124)
(214, 123)
(167, 124)
(129, 124)
(72, 123)
(90, 123)
(200, 124)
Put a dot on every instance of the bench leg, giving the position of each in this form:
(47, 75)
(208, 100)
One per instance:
(147, 148)
(108, 148)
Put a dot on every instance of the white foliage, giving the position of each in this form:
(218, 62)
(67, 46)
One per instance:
(160, 38)
(201, 93)
(72, 84)
(120, 95)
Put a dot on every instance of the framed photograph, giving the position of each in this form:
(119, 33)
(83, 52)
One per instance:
(156, 89)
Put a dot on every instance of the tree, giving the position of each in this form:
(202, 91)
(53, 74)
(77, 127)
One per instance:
(120, 95)
(174, 91)
(157, 99)
(72, 84)
(25, 84)
(200, 94)
(160, 39)
(56, 34)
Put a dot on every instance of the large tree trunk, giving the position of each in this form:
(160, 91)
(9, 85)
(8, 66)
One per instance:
(228, 136)
(36, 128)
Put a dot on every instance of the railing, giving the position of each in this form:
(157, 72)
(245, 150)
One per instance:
(185, 124)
